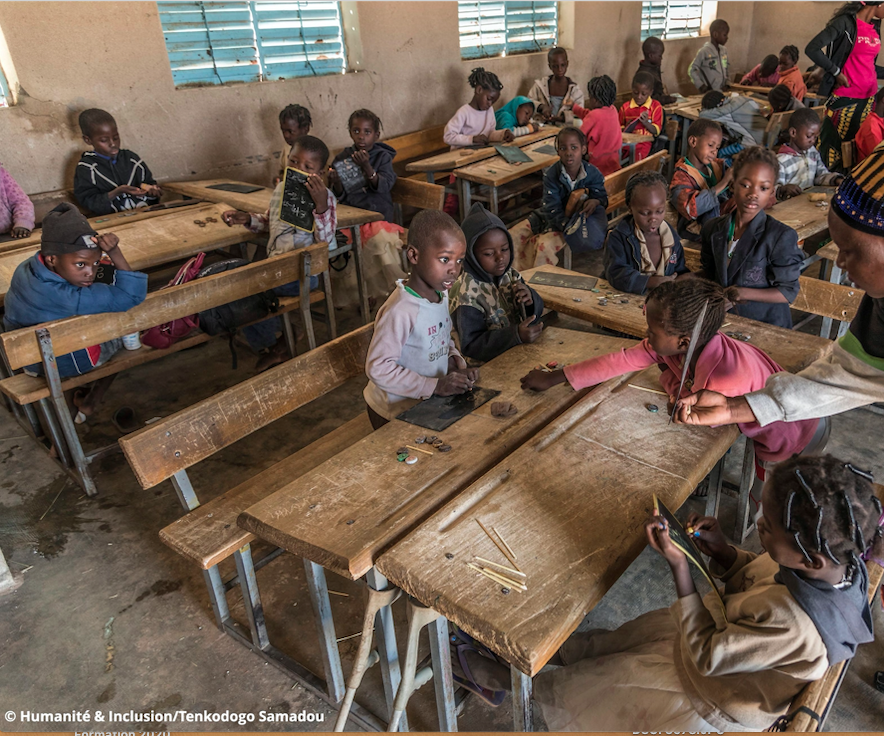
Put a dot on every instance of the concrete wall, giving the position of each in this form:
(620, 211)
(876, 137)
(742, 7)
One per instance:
(70, 56)
(772, 29)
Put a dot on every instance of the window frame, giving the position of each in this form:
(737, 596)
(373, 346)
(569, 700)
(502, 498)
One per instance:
(503, 40)
(707, 11)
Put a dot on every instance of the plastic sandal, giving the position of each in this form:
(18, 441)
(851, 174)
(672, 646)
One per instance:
(461, 643)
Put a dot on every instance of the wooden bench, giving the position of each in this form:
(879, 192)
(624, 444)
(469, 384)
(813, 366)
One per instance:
(208, 534)
(420, 195)
(41, 343)
(416, 145)
(779, 121)
(815, 296)
(809, 710)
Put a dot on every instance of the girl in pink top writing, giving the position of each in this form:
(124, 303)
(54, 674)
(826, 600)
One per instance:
(16, 210)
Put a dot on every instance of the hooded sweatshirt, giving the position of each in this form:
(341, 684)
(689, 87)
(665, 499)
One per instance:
(506, 116)
(484, 311)
(96, 176)
(377, 200)
(742, 117)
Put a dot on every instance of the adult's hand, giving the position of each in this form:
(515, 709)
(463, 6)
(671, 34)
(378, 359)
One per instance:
(708, 408)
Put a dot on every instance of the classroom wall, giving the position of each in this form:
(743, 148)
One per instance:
(70, 56)
(772, 31)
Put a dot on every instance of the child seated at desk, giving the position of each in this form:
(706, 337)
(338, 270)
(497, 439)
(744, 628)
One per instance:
(474, 123)
(554, 95)
(781, 99)
(294, 121)
(791, 612)
(59, 282)
(789, 74)
(411, 356)
(515, 116)
(871, 132)
(699, 186)
(801, 165)
(492, 307)
(310, 155)
(601, 124)
(643, 251)
(16, 210)
(642, 114)
(765, 74)
(652, 50)
(109, 178)
(740, 116)
(750, 250)
(374, 158)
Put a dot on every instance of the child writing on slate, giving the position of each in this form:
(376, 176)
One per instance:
(411, 356)
(515, 116)
(16, 210)
(294, 121)
(554, 95)
(643, 251)
(600, 123)
(699, 187)
(672, 309)
(792, 612)
(310, 155)
(109, 178)
(474, 123)
(492, 308)
(374, 159)
(765, 74)
(789, 74)
(747, 249)
(59, 282)
(801, 165)
(642, 114)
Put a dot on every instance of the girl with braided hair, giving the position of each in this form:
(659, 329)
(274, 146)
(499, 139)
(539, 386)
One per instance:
(474, 124)
(791, 612)
(790, 76)
(601, 124)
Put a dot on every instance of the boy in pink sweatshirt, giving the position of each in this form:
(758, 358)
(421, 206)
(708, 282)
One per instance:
(16, 210)
(730, 365)
(411, 356)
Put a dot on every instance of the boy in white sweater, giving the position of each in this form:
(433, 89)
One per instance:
(411, 356)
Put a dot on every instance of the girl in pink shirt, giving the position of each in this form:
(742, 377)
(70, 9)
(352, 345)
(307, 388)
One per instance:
(16, 210)
(474, 124)
(672, 309)
(601, 124)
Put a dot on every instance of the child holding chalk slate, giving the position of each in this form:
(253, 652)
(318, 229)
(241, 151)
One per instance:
(791, 613)
(302, 212)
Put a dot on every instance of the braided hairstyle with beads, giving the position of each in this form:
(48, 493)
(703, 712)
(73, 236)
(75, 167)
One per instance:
(485, 79)
(756, 155)
(603, 89)
(829, 507)
(681, 302)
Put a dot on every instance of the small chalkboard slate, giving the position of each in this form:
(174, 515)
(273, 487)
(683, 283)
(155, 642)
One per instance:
(440, 412)
(296, 207)
(351, 175)
(238, 188)
(565, 281)
(513, 154)
(547, 150)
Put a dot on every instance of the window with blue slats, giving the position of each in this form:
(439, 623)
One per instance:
(505, 28)
(218, 42)
(5, 99)
(670, 20)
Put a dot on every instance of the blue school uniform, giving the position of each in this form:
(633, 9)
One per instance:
(623, 259)
(37, 295)
(585, 232)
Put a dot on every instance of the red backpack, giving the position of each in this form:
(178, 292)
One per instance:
(164, 335)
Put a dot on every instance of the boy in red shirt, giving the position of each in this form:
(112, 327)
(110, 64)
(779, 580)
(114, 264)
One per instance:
(871, 132)
(642, 114)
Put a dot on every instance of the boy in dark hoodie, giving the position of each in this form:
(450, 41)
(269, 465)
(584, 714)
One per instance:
(376, 162)
(652, 49)
(492, 309)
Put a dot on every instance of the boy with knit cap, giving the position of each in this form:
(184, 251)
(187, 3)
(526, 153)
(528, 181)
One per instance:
(59, 282)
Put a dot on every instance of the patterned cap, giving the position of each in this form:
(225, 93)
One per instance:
(859, 200)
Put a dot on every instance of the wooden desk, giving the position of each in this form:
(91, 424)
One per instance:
(259, 201)
(464, 156)
(792, 350)
(103, 222)
(571, 503)
(154, 241)
(630, 139)
(757, 89)
(347, 511)
(805, 217)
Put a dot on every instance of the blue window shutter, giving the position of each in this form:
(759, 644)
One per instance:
(675, 19)
(242, 41)
(5, 99)
(497, 28)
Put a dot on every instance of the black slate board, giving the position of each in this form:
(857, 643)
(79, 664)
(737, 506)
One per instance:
(351, 175)
(566, 281)
(440, 412)
(513, 154)
(296, 207)
(547, 150)
(238, 188)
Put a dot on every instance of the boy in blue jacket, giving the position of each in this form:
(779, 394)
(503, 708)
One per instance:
(59, 282)
(643, 251)
(574, 196)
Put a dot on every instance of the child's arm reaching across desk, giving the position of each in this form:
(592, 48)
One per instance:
(595, 370)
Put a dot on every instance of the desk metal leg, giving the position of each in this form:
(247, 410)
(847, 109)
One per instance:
(387, 648)
(746, 482)
(331, 658)
(631, 147)
(465, 197)
(360, 275)
(248, 584)
(713, 494)
(685, 124)
(217, 595)
(495, 204)
(443, 680)
(523, 716)
(431, 177)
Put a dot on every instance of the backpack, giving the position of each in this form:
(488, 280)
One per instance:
(225, 319)
(165, 335)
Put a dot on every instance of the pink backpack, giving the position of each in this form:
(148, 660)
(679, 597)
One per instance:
(163, 336)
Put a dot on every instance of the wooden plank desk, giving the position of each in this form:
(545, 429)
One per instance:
(792, 350)
(351, 508)
(757, 89)
(571, 503)
(154, 241)
(805, 217)
(259, 201)
(464, 156)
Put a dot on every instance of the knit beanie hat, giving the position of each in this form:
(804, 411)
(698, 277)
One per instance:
(859, 200)
(66, 230)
